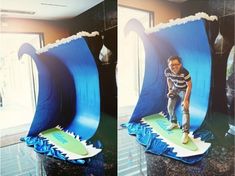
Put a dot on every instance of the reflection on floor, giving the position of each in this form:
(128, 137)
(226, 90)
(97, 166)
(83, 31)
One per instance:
(218, 162)
(131, 157)
(20, 160)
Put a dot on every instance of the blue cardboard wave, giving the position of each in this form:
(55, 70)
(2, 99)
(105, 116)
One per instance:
(69, 93)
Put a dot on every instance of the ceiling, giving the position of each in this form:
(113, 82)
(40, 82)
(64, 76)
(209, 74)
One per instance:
(45, 9)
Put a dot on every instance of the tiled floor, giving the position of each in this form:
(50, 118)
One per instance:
(133, 160)
(20, 160)
(131, 157)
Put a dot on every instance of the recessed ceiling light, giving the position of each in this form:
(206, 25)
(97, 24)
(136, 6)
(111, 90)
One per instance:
(56, 5)
(17, 11)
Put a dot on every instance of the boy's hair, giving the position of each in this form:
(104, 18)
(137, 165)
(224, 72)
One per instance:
(174, 58)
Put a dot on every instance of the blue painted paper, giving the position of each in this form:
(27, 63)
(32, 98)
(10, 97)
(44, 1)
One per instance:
(68, 89)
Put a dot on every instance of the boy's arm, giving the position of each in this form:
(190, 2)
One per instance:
(169, 84)
(187, 95)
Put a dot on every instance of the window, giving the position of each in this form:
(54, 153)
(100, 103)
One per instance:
(18, 83)
(131, 59)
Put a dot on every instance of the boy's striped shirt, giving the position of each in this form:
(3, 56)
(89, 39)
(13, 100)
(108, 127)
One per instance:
(180, 79)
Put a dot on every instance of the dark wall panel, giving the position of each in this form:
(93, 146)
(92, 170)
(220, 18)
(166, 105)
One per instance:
(224, 9)
(102, 18)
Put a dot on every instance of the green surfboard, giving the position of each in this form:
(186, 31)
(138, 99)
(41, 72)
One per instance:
(65, 141)
(159, 123)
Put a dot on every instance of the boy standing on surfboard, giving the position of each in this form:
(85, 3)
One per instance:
(179, 86)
